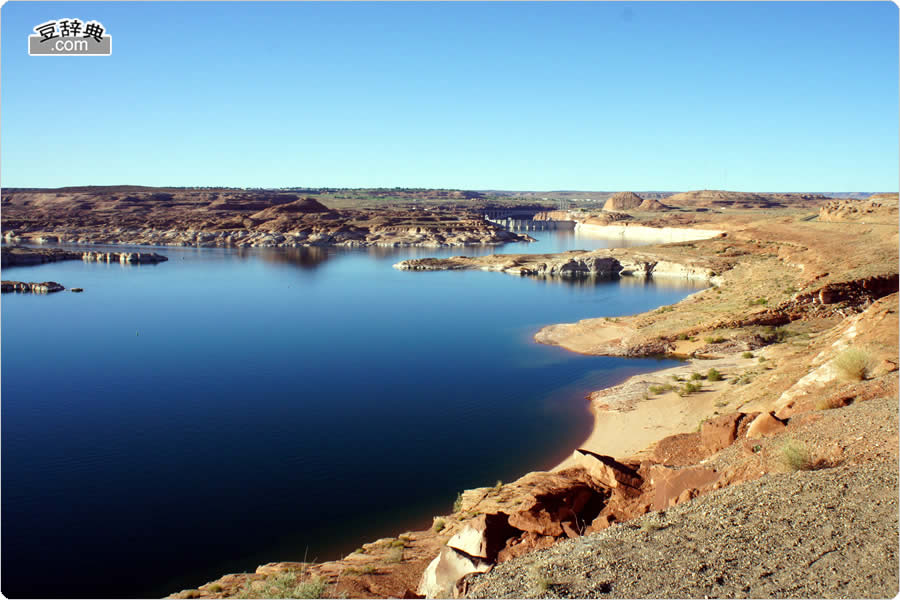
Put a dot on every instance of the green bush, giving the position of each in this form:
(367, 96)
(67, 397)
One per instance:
(747, 355)
(689, 388)
(713, 375)
(439, 525)
(660, 389)
(696, 376)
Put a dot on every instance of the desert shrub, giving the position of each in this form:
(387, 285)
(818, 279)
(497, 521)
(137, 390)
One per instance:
(457, 504)
(689, 388)
(647, 526)
(312, 588)
(439, 525)
(541, 582)
(829, 403)
(283, 585)
(759, 301)
(713, 375)
(761, 359)
(853, 364)
(215, 588)
(394, 555)
(683, 336)
(696, 376)
(777, 334)
(795, 457)
(659, 389)
(747, 355)
(714, 340)
(352, 571)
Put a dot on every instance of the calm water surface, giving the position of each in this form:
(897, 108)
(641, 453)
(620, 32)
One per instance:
(229, 408)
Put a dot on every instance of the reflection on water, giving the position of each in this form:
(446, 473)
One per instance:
(304, 258)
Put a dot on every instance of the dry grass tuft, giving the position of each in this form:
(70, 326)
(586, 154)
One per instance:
(853, 364)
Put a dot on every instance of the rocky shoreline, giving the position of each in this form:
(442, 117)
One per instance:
(768, 391)
(597, 264)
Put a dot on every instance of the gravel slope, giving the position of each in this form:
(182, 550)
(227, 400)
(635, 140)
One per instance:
(827, 534)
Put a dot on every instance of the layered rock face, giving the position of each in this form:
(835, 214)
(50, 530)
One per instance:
(227, 217)
(599, 264)
(123, 257)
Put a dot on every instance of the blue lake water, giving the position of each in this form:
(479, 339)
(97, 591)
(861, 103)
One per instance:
(228, 408)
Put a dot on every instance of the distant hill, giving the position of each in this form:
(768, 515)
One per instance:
(721, 199)
(625, 201)
(306, 205)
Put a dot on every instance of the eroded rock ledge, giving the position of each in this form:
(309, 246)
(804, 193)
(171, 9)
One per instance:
(45, 287)
(21, 256)
(599, 264)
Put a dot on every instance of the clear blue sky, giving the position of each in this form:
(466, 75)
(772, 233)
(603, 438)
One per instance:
(763, 96)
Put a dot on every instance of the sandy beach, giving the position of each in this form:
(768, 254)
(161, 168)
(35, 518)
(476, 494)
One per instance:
(629, 418)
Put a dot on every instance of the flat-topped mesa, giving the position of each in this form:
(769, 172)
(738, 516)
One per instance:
(123, 257)
(44, 287)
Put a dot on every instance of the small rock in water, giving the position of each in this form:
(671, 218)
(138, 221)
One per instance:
(77, 289)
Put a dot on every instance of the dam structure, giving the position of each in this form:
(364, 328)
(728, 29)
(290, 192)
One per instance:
(523, 220)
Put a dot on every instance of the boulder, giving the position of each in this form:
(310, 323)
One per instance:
(719, 433)
(484, 536)
(448, 567)
(765, 425)
(609, 472)
(545, 513)
(672, 486)
(524, 544)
